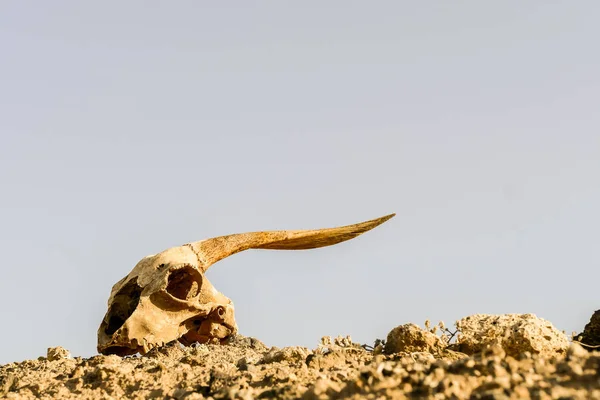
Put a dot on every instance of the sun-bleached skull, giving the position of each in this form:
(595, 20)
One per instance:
(166, 296)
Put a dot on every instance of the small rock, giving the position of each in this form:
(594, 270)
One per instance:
(57, 353)
(410, 338)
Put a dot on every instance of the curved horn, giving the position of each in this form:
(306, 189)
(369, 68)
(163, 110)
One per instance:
(212, 250)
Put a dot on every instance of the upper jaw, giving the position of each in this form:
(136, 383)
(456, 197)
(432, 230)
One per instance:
(117, 344)
(120, 349)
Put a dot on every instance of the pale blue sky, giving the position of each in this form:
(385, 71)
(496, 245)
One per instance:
(130, 127)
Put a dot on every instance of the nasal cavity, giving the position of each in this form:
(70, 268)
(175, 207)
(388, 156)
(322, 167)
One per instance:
(184, 283)
(124, 304)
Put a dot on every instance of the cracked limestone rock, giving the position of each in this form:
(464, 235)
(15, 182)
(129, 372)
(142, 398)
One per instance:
(515, 333)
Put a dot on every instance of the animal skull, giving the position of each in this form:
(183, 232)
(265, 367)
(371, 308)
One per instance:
(166, 296)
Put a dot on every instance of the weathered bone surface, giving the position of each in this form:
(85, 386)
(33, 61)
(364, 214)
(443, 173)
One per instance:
(166, 296)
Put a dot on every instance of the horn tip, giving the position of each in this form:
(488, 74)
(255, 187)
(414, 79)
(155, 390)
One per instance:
(386, 217)
(378, 221)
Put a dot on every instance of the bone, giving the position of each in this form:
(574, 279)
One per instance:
(218, 248)
(166, 296)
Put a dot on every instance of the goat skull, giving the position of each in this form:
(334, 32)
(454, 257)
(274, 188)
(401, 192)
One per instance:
(166, 296)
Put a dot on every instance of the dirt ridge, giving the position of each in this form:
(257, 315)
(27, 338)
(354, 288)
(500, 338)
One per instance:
(510, 361)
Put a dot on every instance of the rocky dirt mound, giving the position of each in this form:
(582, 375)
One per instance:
(412, 363)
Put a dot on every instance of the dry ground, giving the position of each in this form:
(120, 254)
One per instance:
(247, 369)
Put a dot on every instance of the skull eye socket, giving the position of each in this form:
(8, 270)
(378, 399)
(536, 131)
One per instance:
(184, 283)
(124, 304)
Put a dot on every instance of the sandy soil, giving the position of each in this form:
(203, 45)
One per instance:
(337, 368)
